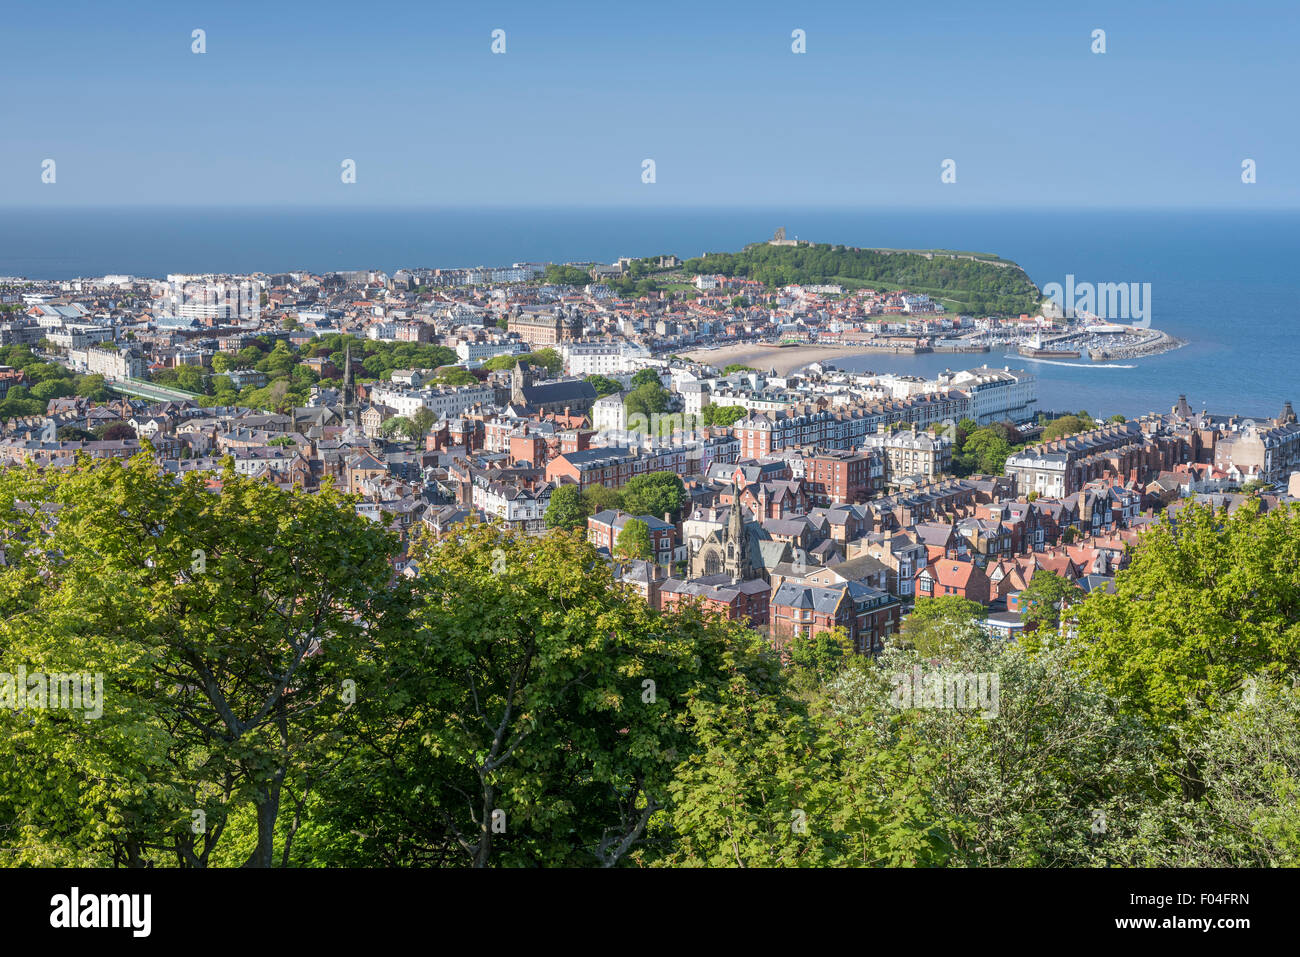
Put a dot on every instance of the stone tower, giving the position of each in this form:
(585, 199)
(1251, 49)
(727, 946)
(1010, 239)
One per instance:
(735, 555)
(349, 391)
(521, 377)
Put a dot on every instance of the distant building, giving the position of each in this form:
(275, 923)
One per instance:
(545, 329)
(126, 363)
(564, 395)
(907, 453)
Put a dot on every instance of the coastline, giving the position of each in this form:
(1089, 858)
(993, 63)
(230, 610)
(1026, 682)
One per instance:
(783, 359)
(788, 359)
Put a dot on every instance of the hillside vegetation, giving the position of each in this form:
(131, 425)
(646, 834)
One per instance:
(274, 695)
(964, 282)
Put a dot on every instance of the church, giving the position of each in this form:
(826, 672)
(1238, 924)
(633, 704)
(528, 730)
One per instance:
(575, 396)
(726, 551)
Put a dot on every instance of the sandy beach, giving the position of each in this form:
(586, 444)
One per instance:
(783, 360)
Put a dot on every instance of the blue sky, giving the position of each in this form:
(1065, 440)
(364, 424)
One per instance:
(710, 91)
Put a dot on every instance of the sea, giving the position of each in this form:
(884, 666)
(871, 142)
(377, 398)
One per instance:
(1227, 282)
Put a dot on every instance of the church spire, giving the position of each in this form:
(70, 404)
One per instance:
(736, 554)
(348, 391)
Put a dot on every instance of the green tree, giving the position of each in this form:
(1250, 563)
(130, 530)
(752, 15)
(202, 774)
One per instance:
(455, 375)
(51, 389)
(92, 387)
(634, 541)
(1035, 765)
(249, 357)
(567, 508)
(191, 379)
(225, 626)
(1210, 601)
(548, 360)
(984, 451)
(645, 400)
(537, 718)
(600, 497)
(723, 416)
(654, 493)
(566, 276)
(1045, 599)
(939, 626)
(776, 786)
(816, 658)
(645, 377)
(422, 421)
(604, 385)
(1249, 813)
(1065, 425)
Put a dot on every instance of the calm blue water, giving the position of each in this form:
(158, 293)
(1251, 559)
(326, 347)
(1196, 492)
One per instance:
(1226, 282)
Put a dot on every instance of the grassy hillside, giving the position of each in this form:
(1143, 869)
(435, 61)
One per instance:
(964, 282)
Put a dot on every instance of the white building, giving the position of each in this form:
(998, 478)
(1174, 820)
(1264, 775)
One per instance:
(78, 336)
(603, 358)
(519, 507)
(608, 413)
(126, 363)
(695, 396)
(207, 297)
(443, 401)
(478, 351)
(996, 394)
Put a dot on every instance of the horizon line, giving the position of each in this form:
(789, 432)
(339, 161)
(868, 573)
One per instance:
(667, 207)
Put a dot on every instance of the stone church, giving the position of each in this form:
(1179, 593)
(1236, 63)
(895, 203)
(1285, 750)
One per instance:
(562, 395)
(726, 551)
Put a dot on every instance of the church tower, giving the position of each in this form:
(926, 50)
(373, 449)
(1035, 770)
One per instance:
(520, 379)
(735, 560)
(349, 392)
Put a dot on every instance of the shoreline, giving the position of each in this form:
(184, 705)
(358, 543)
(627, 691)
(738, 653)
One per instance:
(788, 359)
(784, 360)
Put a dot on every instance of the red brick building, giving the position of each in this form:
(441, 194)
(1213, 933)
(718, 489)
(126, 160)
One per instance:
(603, 530)
(837, 477)
(867, 615)
(949, 576)
(738, 601)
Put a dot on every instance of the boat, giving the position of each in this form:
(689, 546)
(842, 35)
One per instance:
(1032, 353)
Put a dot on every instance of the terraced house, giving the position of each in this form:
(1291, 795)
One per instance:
(802, 609)
(1126, 450)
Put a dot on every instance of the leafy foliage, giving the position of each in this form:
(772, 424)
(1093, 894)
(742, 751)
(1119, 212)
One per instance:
(654, 493)
(634, 541)
(567, 509)
(983, 285)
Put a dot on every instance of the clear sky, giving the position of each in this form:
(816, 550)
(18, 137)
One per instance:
(1010, 91)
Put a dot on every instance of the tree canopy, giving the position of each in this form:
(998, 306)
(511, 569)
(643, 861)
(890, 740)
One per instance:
(983, 284)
